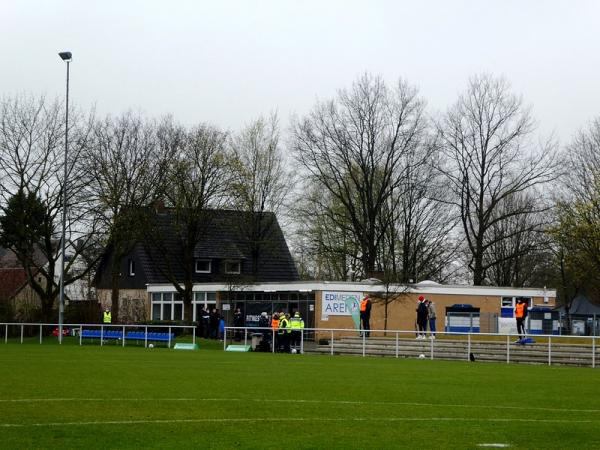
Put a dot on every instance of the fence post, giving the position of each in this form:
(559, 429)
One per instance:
(302, 341)
(225, 339)
(549, 350)
(40, 333)
(431, 348)
(146, 336)
(469, 347)
(245, 336)
(593, 352)
(396, 344)
(364, 336)
(22, 333)
(194, 335)
(101, 335)
(6, 334)
(507, 348)
(273, 340)
(169, 343)
(80, 333)
(123, 337)
(331, 342)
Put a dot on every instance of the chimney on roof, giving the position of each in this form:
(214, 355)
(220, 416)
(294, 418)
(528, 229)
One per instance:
(159, 206)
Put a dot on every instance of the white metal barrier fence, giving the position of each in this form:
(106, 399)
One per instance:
(77, 330)
(543, 349)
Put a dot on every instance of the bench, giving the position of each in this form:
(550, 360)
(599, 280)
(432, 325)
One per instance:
(129, 335)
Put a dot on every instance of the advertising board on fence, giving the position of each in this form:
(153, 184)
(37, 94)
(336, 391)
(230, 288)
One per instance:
(341, 304)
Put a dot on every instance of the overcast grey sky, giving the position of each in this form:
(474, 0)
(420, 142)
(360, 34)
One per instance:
(226, 62)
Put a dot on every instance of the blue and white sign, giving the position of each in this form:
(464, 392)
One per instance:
(341, 304)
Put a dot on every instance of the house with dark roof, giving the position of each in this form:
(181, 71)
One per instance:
(226, 255)
(17, 298)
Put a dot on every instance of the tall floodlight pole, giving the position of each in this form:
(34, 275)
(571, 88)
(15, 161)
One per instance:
(65, 56)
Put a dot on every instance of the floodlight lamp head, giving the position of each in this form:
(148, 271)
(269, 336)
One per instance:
(66, 56)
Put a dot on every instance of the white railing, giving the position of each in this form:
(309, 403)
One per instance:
(79, 327)
(547, 349)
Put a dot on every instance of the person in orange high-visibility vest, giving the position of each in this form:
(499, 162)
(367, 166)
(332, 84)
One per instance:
(275, 326)
(365, 314)
(520, 313)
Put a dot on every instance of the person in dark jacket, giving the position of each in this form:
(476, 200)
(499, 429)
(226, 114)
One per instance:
(265, 325)
(238, 321)
(365, 314)
(205, 322)
(214, 320)
(422, 315)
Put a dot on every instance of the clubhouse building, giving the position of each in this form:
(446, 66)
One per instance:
(230, 273)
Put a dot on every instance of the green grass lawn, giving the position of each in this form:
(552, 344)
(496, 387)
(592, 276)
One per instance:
(111, 397)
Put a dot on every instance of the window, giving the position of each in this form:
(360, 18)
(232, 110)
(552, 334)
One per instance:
(169, 305)
(131, 267)
(203, 266)
(232, 267)
(510, 302)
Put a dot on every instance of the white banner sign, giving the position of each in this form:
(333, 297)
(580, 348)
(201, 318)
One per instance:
(507, 325)
(340, 304)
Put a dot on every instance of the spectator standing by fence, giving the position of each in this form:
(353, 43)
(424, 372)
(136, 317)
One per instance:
(107, 317)
(238, 321)
(421, 318)
(284, 330)
(520, 313)
(275, 327)
(263, 325)
(205, 322)
(214, 319)
(431, 315)
(296, 325)
(365, 315)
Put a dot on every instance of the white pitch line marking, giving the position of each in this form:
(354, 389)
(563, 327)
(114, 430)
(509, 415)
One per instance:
(289, 419)
(494, 444)
(268, 400)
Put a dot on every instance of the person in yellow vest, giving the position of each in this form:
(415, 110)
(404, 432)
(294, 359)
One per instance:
(296, 325)
(107, 316)
(283, 334)
(365, 314)
(520, 313)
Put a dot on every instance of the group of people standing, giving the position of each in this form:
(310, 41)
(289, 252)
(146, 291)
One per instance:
(426, 316)
(286, 329)
(211, 325)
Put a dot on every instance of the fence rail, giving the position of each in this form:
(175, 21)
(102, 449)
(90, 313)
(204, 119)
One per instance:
(541, 349)
(77, 330)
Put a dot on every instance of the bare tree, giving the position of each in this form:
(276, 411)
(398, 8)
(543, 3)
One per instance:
(325, 236)
(353, 148)
(420, 244)
(577, 233)
(260, 182)
(519, 242)
(488, 159)
(32, 133)
(126, 172)
(196, 183)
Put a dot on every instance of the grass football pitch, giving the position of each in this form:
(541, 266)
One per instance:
(112, 397)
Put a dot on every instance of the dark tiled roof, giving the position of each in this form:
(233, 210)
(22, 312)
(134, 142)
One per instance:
(224, 237)
(9, 259)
